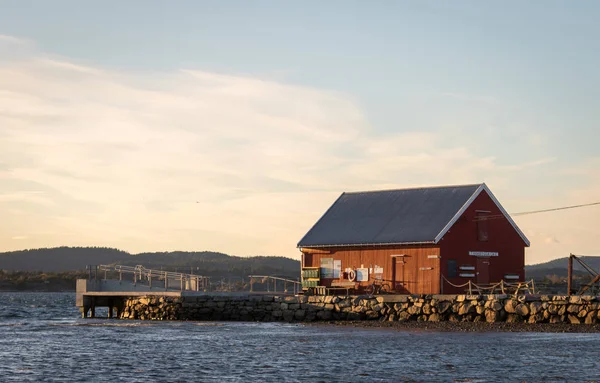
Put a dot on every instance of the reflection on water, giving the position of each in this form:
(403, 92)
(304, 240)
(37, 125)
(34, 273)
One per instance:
(43, 339)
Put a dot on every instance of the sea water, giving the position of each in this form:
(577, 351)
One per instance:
(43, 338)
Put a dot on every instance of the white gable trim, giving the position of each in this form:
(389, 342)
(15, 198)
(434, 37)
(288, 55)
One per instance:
(481, 188)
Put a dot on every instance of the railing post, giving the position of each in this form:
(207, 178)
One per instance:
(570, 275)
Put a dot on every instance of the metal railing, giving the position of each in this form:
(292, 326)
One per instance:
(166, 279)
(192, 282)
(274, 282)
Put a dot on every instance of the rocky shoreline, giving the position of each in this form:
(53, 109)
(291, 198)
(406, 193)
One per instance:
(450, 310)
(466, 326)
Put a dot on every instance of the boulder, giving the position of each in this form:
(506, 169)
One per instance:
(591, 318)
(492, 315)
(435, 317)
(522, 309)
(378, 307)
(414, 310)
(510, 305)
(536, 318)
(300, 314)
(324, 315)
(466, 308)
(553, 309)
(535, 307)
(555, 319)
(573, 309)
(443, 306)
(562, 310)
(277, 314)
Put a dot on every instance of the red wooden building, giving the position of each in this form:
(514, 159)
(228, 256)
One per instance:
(414, 241)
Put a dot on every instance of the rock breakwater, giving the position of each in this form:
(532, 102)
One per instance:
(431, 308)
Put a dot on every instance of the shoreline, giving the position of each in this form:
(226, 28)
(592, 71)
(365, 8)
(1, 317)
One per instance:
(460, 327)
(36, 291)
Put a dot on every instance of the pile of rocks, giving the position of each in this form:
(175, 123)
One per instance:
(432, 308)
(152, 308)
(487, 308)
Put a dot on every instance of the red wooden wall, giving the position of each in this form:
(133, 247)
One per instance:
(463, 238)
(416, 272)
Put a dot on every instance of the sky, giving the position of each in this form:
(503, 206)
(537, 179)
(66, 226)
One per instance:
(232, 126)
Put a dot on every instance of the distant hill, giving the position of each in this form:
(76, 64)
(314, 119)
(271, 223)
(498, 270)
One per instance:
(62, 259)
(559, 266)
(205, 263)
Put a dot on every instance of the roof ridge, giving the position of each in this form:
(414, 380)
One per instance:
(413, 188)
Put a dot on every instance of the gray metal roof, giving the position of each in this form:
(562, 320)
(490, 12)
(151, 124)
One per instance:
(389, 217)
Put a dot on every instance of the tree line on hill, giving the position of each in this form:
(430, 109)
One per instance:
(58, 268)
(38, 268)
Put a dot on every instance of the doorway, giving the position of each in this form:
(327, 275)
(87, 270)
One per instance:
(398, 278)
(483, 270)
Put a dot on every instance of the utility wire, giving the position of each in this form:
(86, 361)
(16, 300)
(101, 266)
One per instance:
(557, 208)
(498, 216)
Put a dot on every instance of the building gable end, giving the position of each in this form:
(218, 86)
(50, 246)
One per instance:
(481, 188)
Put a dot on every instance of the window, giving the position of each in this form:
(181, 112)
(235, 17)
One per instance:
(481, 218)
(452, 268)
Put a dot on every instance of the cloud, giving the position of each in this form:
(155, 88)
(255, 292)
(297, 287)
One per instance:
(200, 160)
(6, 40)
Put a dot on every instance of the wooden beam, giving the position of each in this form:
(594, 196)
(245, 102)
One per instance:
(570, 275)
(315, 251)
(586, 287)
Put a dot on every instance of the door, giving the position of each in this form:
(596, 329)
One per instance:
(398, 264)
(483, 270)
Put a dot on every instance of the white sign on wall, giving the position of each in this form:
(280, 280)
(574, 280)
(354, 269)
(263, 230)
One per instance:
(337, 268)
(362, 274)
(483, 253)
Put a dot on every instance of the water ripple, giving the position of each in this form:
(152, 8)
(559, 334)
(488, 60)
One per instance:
(45, 341)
